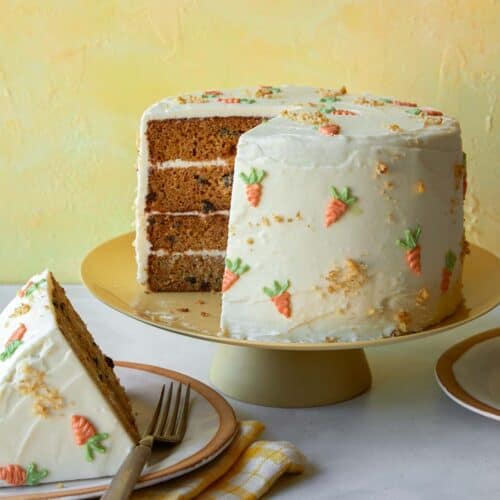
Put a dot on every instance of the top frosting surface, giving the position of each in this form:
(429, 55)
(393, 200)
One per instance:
(309, 108)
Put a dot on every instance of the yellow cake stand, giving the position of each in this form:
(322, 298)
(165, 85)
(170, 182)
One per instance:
(265, 373)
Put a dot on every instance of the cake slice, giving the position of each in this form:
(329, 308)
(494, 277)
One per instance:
(63, 413)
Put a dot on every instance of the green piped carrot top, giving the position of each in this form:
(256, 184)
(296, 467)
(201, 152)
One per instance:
(410, 239)
(254, 177)
(237, 267)
(277, 289)
(343, 195)
(449, 260)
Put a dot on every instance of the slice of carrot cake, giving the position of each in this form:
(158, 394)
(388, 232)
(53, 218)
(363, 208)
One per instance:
(63, 413)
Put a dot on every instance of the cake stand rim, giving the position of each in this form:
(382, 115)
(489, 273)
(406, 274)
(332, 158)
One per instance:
(286, 346)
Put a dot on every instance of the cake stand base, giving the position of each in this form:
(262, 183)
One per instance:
(290, 379)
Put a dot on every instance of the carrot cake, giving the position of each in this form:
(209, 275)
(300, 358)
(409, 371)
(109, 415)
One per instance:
(64, 413)
(345, 211)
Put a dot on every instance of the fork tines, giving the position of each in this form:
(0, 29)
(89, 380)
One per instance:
(169, 421)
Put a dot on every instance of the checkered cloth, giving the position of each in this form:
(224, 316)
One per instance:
(246, 470)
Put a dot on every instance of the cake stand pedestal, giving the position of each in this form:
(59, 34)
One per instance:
(290, 378)
(269, 373)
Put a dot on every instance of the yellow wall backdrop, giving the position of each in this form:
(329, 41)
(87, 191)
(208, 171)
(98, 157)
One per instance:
(75, 77)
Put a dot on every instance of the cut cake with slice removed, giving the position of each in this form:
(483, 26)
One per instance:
(63, 413)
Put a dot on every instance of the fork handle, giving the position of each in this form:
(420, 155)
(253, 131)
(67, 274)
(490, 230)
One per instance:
(125, 479)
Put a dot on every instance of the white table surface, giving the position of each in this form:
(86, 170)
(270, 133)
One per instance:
(403, 440)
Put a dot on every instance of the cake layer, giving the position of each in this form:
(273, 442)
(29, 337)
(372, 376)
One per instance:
(184, 189)
(185, 272)
(206, 138)
(181, 232)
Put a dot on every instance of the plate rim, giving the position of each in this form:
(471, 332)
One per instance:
(227, 431)
(285, 346)
(450, 385)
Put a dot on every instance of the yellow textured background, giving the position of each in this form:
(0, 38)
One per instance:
(75, 77)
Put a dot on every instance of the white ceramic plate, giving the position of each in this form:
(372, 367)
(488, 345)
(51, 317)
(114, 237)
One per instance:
(469, 373)
(212, 426)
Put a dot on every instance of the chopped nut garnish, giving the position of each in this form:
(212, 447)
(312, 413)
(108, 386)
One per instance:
(369, 102)
(331, 339)
(204, 314)
(332, 93)
(348, 279)
(403, 320)
(289, 219)
(388, 185)
(313, 118)
(420, 187)
(200, 302)
(267, 91)
(266, 221)
(279, 218)
(250, 241)
(381, 168)
(20, 310)
(371, 311)
(432, 120)
(183, 309)
(191, 99)
(298, 216)
(394, 127)
(422, 296)
(47, 399)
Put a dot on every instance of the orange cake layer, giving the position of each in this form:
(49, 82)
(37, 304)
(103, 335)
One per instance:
(196, 139)
(204, 189)
(178, 233)
(185, 272)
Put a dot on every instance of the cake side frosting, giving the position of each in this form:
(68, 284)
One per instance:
(48, 402)
(354, 227)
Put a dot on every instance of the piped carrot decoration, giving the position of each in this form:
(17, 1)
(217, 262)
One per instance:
(449, 263)
(338, 205)
(254, 185)
(85, 434)
(410, 244)
(330, 129)
(15, 475)
(30, 288)
(280, 297)
(232, 273)
(13, 342)
(18, 334)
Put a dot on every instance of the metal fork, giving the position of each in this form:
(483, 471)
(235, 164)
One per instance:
(166, 426)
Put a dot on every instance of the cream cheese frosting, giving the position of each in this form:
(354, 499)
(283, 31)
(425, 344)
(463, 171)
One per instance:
(42, 386)
(357, 227)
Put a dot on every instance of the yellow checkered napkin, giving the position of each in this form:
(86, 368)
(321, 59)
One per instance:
(246, 470)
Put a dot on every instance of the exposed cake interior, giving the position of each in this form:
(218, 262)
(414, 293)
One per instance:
(190, 175)
(205, 138)
(97, 365)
